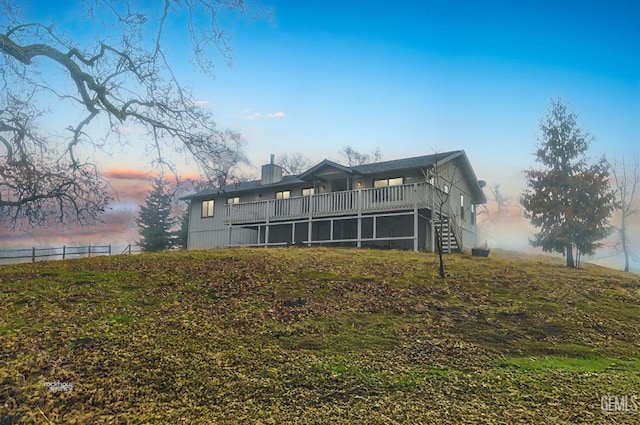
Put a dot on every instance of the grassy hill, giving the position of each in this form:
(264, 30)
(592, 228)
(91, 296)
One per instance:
(316, 336)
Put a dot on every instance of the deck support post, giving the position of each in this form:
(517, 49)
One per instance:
(415, 217)
(359, 204)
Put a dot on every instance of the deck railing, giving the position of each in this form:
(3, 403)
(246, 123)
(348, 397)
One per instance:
(334, 203)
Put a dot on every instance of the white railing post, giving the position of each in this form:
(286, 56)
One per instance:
(415, 217)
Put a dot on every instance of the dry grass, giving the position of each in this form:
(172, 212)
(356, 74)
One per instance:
(316, 336)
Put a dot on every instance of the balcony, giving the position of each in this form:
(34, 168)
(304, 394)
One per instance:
(350, 202)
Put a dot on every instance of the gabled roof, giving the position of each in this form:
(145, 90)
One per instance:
(327, 166)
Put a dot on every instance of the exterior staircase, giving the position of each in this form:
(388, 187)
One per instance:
(448, 236)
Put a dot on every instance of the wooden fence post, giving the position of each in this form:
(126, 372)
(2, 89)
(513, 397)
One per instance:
(33, 254)
(89, 250)
(64, 251)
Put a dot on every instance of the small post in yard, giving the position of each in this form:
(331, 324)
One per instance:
(64, 251)
(33, 254)
(89, 250)
(109, 249)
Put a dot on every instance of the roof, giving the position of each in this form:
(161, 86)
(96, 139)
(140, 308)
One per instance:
(425, 161)
(242, 187)
(325, 164)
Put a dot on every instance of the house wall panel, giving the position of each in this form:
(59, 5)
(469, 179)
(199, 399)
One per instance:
(208, 239)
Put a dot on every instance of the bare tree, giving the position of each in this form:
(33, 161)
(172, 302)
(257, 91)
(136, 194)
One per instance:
(294, 164)
(112, 75)
(626, 179)
(441, 181)
(354, 157)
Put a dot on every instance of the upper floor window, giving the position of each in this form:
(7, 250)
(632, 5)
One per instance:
(235, 200)
(398, 181)
(473, 213)
(445, 188)
(462, 207)
(308, 191)
(285, 194)
(207, 208)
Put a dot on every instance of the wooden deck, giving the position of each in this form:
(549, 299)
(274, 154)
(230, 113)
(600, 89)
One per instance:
(362, 201)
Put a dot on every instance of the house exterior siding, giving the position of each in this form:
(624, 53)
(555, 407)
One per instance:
(393, 204)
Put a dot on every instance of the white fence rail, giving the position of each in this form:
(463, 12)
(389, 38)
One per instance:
(33, 254)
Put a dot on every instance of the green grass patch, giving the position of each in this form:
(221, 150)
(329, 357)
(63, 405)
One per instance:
(571, 364)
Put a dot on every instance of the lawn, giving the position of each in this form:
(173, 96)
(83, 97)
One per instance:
(301, 335)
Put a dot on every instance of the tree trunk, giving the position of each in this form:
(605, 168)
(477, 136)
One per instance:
(569, 249)
(623, 238)
(439, 248)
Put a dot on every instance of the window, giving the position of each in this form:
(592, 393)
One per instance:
(207, 208)
(473, 213)
(232, 201)
(398, 181)
(445, 188)
(307, 192)
(461, 207)
(285, 194)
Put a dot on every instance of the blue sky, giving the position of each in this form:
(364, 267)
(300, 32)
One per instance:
(414, 77)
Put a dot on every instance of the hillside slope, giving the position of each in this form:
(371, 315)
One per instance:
(317, 336)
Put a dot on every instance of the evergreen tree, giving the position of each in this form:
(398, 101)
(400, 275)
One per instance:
(183, 233)
(569, 200)
(155, 220)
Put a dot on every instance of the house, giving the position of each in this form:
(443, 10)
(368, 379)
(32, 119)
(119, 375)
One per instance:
(399, 204)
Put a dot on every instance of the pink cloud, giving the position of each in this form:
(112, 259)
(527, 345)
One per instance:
(126, 173)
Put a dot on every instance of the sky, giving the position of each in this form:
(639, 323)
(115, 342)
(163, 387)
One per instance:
(416, 77)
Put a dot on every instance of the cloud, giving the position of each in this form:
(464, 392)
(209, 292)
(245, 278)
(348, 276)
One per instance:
(126, 173)
(199, 102)
(257, 115)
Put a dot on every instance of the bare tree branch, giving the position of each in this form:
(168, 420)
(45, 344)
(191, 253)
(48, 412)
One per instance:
(626, 179)
(118, 72)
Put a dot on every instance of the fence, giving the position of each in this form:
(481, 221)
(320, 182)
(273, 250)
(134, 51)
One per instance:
(41, 254)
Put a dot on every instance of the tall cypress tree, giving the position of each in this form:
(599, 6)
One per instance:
(155, 220)
(569, 200)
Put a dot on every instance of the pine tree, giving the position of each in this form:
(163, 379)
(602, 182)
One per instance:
(569, 200)
(182, 234)
(155, 220)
